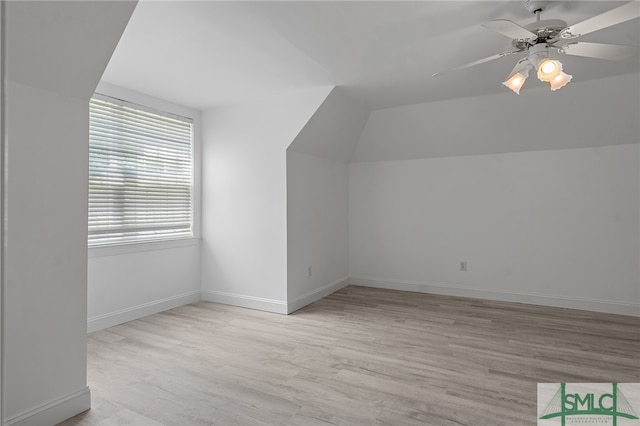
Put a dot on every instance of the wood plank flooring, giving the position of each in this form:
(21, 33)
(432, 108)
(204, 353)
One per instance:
(361, 356)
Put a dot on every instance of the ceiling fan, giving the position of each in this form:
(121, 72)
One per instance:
(542, 37)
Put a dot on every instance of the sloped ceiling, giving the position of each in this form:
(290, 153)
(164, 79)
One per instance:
(63, 46)
(208, 53)
(584, 114)
(205, 54)
(334, 129)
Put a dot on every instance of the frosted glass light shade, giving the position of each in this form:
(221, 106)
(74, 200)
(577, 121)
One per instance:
(560, 81)
(515, 82)
(548, 69)
(518, 76)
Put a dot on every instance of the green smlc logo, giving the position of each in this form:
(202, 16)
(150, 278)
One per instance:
(613, 405)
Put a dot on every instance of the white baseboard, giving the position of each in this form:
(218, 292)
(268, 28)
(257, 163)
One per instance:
(317, 294)
(55, 411)
(244, 301)
(129, 314)
(606, 306)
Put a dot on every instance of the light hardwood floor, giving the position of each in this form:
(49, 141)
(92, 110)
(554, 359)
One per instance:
(361, 356)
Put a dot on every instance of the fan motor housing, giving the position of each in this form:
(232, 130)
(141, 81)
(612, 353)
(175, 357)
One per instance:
(546, 31)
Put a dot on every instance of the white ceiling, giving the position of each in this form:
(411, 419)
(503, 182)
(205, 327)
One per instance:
(208, 53)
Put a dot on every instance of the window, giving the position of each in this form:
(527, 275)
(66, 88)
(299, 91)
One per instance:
(140, 174)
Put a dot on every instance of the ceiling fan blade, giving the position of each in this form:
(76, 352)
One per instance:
(611, 52)
(509, 29)
(624, 13)
(478, 62)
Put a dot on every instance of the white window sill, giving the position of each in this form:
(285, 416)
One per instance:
(119, 249)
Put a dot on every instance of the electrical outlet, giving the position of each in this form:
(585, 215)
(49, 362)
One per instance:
(309, 271)
(463, 266)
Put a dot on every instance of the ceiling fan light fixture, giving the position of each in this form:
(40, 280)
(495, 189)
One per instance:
(559, 81)
(540, 38)
(548, 69)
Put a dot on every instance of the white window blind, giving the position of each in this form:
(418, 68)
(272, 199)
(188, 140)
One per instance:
(140, 174)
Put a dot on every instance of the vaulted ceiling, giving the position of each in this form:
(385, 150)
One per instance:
(209, 53)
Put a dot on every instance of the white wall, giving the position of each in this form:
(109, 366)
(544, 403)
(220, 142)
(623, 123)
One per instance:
(135, 280)
(126, 285)
(45, 261)
(244, 199)
(2, 196)
(554, 227)
(317, 228)
(55, 54)
(317, 201)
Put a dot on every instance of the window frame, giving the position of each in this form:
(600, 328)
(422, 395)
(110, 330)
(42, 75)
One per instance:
(147, 103)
